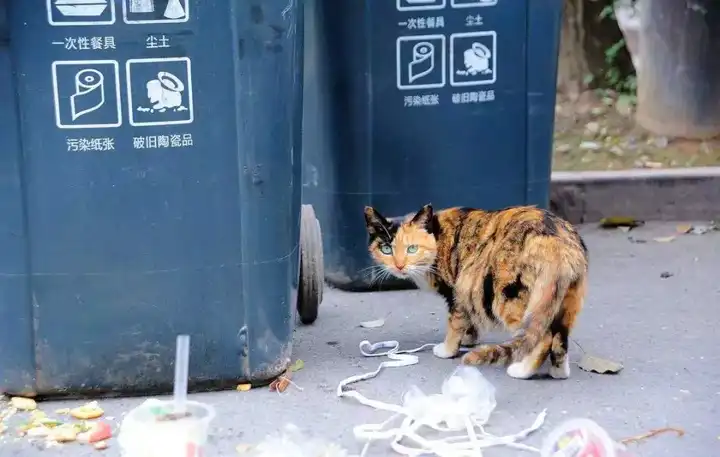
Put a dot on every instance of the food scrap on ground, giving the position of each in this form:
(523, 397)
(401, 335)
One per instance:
(23, 404)
(373, 324)
(243, 387)
(281, 383)
(88, 411)
(625, 224)
(69, 426)
(620, 221)
(99, 432)
(665, 239)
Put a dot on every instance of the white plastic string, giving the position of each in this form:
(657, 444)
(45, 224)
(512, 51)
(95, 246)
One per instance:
(465, 404)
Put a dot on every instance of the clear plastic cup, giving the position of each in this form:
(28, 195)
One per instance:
(144, 434)
(581, 438)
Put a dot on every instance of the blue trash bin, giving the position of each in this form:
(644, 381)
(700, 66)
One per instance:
(150, 186)
(409, 102)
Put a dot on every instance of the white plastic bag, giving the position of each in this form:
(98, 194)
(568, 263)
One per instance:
(464, 394)
(291, 442)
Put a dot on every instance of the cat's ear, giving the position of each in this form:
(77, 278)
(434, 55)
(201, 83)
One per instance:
(424, 217)
(376, 224)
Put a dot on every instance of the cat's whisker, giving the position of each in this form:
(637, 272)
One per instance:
(372, 272)
(382, 273)
(370, 268)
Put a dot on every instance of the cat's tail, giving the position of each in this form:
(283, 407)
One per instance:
(544, 304)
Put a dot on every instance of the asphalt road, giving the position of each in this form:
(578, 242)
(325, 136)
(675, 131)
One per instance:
(652, 306)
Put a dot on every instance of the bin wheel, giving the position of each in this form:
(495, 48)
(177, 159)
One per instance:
(312, 274)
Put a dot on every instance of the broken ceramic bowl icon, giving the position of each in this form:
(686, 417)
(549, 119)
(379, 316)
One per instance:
(82, 8)
(164, 93)
(477, 60)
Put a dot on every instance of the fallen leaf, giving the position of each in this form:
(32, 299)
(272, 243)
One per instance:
(297, 366)
(373, 324)
(637, 438)
(664, 239)
(620, 221)
(684, 228)
(243, 387)
(23, 404)
(665, 274)
(598, 365)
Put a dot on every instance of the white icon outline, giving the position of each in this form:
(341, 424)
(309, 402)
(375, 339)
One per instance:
(51, 21)
(88, 64)
(475, 4)
(400, 67)
(493, 57)
(401, 5)
(186, 87)
(185, 18)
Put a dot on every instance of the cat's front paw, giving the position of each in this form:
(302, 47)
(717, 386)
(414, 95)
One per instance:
(561, 371)
(520, 370)
(440, 350)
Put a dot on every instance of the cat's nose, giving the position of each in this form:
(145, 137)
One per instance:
(399, 265)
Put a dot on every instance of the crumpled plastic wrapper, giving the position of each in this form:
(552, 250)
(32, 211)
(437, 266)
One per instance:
(291, 442)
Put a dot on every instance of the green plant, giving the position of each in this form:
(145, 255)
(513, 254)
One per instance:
(612, 78)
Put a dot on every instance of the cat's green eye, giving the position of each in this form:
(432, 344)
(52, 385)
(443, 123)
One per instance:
(386, 249)
(412, 249)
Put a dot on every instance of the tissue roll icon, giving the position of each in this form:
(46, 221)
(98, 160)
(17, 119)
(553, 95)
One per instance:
(89, 93)
(423, 61)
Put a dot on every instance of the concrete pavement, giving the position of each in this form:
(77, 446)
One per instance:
(652, 305)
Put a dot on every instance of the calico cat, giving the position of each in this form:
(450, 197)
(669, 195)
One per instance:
(521, 268)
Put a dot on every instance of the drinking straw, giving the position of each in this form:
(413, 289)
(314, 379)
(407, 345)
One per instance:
(182, 356)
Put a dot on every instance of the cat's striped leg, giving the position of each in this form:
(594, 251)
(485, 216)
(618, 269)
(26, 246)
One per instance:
(571, 306)
(457, 325)
(529, 365)
(470, 337)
